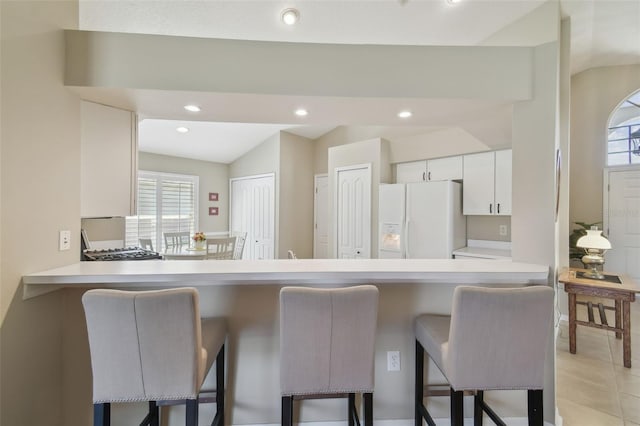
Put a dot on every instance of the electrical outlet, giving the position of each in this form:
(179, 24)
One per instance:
(393, 360)
(64, 241)
(503, 230)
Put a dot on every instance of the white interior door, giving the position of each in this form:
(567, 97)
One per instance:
(321, 217)
(253, 212)
(353, 212)
(624, 223)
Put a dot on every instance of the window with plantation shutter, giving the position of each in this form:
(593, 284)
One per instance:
(166, 203)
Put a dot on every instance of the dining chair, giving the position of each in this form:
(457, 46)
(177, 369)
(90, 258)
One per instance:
(494, 339)
(241, 237)
(221, 248)
(152, 346)
(173, 239)
(146, 244)
(327, 347)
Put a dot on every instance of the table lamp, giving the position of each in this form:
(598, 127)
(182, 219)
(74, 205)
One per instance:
(594, 245)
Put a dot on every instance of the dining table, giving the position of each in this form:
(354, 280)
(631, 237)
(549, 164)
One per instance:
(184, 252)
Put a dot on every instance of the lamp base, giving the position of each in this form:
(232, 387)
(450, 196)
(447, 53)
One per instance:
(592, 261)
(594, 274)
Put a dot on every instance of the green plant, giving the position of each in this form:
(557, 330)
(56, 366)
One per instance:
(575, 252)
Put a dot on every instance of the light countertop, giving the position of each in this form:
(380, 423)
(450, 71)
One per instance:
(484, 249)
(158, 273)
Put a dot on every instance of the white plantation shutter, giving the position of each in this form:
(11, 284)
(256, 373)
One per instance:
(166, 203)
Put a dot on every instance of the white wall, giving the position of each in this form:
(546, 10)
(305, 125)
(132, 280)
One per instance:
(375, 152)
(103, 59)
(40, 195)
(535, 141)
(296, 196)
(214, 177)
(595, 94)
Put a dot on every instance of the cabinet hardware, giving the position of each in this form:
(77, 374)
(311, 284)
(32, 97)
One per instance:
(498, 208)
(424, 176)
(490, 208)
(429, 176)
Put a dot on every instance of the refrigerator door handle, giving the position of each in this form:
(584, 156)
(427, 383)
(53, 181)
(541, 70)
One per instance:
(406, 239)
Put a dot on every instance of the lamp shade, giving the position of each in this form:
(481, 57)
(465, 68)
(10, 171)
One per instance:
(594, 240)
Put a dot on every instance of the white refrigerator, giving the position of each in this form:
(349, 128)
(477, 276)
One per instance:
(421, 220)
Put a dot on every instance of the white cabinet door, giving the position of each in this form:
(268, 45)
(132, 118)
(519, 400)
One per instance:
(415, 171)
(449, 168)
(478, 193)
(108, 161)
(503, 183)
(321, 218)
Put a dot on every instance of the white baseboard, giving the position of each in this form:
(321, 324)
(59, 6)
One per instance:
(511, 421)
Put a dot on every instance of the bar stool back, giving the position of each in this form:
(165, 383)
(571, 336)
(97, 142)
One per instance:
(152, 346)
(494, 339)
(327, 339)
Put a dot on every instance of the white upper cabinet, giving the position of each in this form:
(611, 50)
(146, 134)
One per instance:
(503, 182)
(487, 183)
(448, 168)
(108, 161)
(415, 171)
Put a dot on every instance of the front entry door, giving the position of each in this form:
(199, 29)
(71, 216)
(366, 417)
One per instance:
(353, 212)
(624, 223)
(253, 212)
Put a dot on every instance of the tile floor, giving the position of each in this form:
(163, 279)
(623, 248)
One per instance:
(592, 386)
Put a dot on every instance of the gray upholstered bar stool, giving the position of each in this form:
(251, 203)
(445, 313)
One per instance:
(327, 339)
(494, 339)
(152, 346)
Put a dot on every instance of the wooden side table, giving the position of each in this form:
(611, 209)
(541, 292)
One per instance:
(621, 293)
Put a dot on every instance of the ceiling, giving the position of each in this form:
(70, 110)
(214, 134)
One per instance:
(603, 32)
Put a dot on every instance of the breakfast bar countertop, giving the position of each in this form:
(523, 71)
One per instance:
(157, 273)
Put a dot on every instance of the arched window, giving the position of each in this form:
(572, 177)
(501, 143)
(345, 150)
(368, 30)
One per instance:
(623, 145)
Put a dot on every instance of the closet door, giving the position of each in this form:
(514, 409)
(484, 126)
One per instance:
(253, 212)
(353, 212)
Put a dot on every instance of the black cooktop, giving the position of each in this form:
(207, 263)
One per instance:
(128, 253)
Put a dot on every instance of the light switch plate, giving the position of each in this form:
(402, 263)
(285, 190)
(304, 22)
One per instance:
(503, 230)
(64, 241)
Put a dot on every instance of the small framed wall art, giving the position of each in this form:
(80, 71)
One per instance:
(213, 196)
(213, 211)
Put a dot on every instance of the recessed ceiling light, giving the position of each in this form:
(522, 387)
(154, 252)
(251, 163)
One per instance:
(182, 129)
(405, 114)
(453, 1)
(290, 16)
(192, 108)
(301, 112)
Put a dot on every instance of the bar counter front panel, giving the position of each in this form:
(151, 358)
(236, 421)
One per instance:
(246, 293)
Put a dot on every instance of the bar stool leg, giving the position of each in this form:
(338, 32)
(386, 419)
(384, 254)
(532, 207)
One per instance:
(536, 412)
(102, 414)
(419, 390)
(457, 408)
(219, 418)
(351, 401)
(287, 411)
(368, 409)
(154, 414)
(478, 414)
(191, 418)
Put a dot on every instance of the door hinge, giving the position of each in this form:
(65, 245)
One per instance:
(608, 187)
(316, 189)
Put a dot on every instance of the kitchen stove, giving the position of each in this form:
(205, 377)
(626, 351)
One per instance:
(128, 253)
